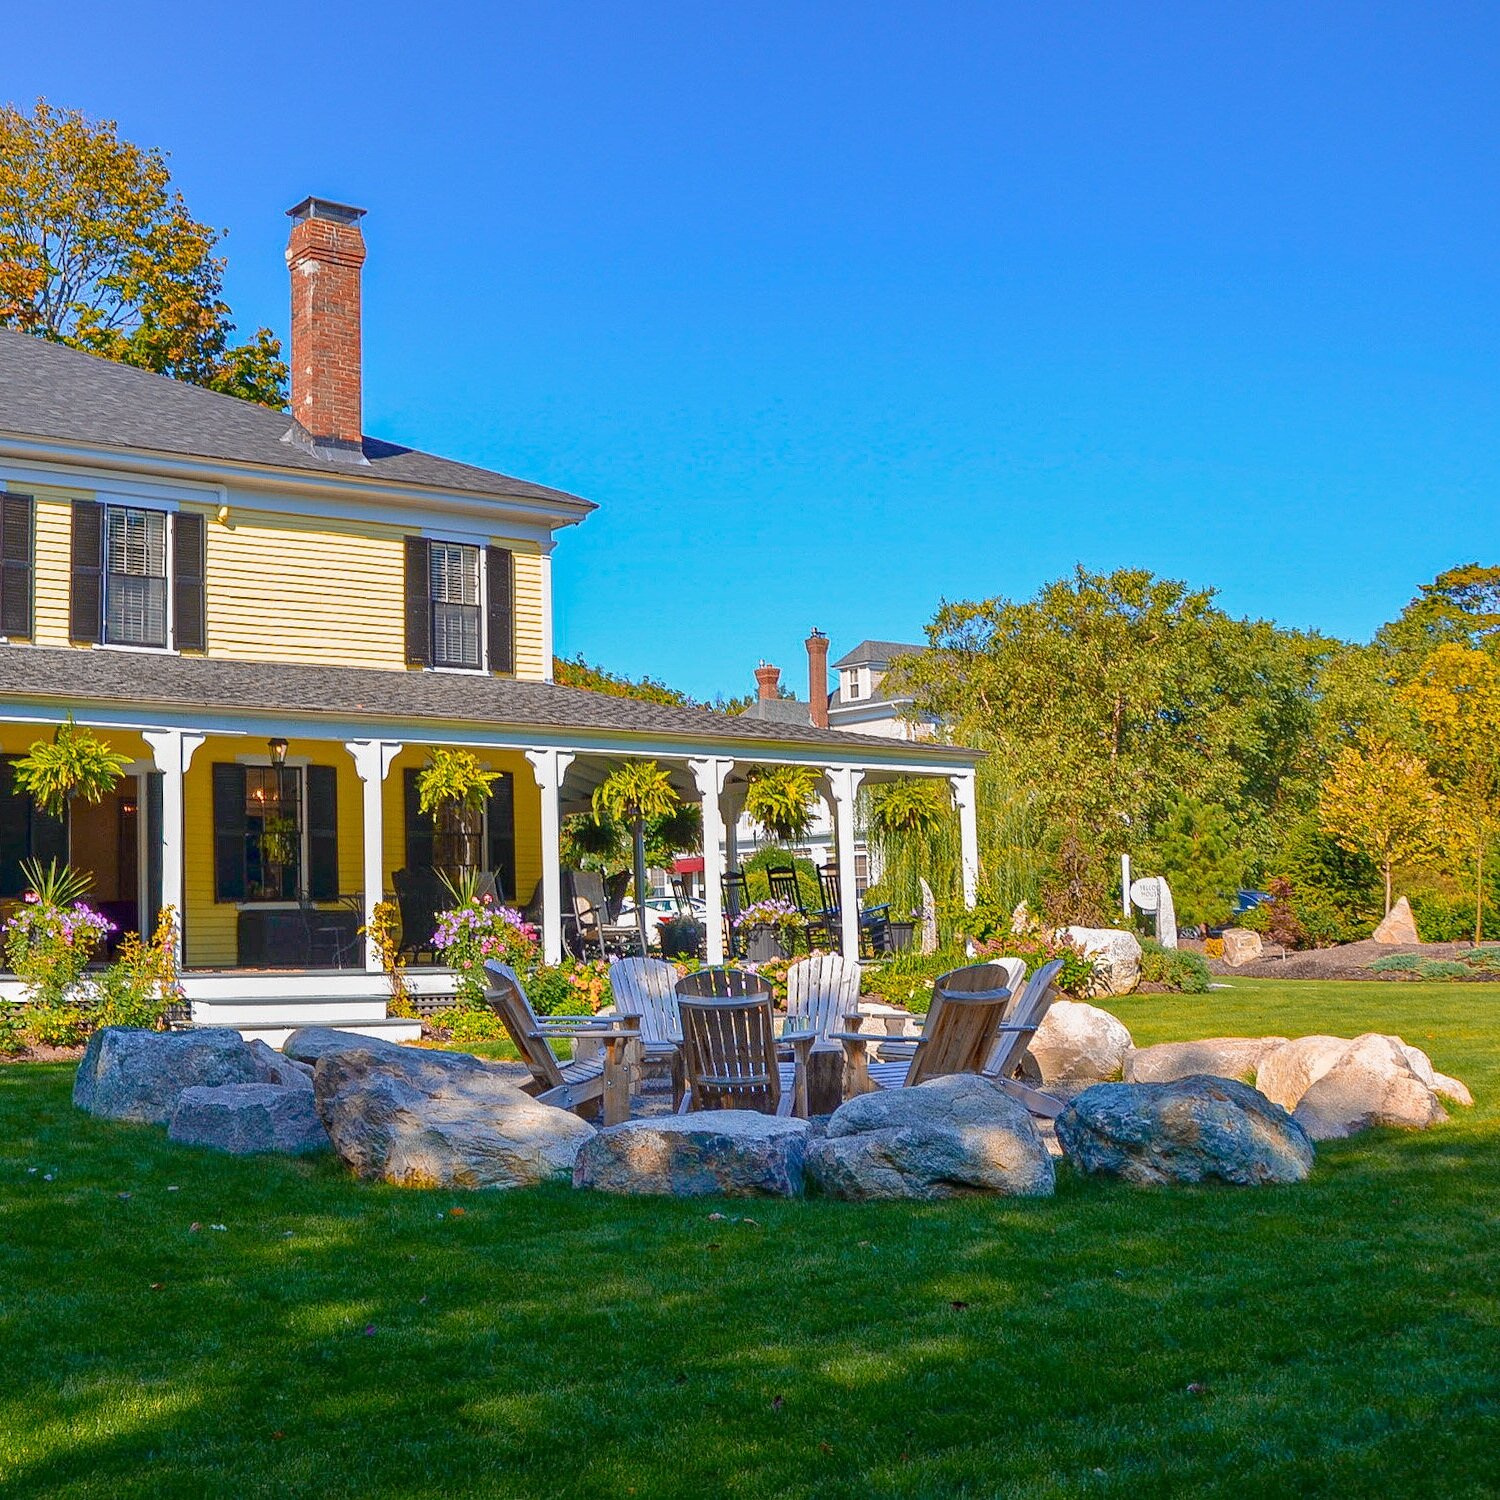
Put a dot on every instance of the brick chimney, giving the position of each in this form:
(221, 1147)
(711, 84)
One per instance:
(324, 255)
(767, 681)
(817, 678)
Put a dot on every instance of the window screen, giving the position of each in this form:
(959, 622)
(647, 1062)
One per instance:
(135, 586)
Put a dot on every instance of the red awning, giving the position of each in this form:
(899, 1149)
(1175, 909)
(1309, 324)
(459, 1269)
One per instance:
(688, 865)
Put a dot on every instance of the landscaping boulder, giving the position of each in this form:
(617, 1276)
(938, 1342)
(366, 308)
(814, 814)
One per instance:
(1078, 1044)
(242, 1118)
(1214, 1057)
(1189, 1130)
(952, 1136)
(284, 1072)
(1371, 1083)
(1116, 956)
(415, 1121)
(137, 1075)
(1286, 1073)
(734, 1153)
(309, 1043)
(1398, 925)
(1452, 1089)
(1241, 946)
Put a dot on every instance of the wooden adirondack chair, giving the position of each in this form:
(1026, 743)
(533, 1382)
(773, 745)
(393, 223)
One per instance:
(730, 1051)
(1016, 1032)
(647, 987)
(821, 990)
(963, 1024)
(579, 1086)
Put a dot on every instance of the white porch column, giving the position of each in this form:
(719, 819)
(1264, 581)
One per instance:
(710, 773)
(372, 760)
(962, 783)
(173, 751)
(549, 768)
(843, 784)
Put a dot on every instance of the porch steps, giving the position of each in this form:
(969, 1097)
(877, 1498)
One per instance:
(270, 1004)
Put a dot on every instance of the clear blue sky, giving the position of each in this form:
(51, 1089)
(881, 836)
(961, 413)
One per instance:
(840, 309)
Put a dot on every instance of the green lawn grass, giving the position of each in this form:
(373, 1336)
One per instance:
(1341, 1337)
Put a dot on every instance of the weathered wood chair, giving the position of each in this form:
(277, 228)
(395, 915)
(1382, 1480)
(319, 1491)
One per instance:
(821, 990)
(1009, 1061)
(647, 987)
(579, 1086)
(963, 1023)
(731, 1053)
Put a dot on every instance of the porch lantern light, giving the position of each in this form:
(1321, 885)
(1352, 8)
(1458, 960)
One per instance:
(277, 747)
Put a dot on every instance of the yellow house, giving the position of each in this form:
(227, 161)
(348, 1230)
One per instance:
(277, 619)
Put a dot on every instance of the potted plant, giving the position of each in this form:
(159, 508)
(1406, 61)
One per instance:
(772, 929)
(780, 800)
(681, 936)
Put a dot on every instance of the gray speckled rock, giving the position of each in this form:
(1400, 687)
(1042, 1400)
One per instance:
(309, 1043)
(1190, 1130)
(130, 1074)
(1079, 1044)
(243, 1118)
(1214, 1057)
(735, 1153)
(1372, 1083)
(943, 1139)
(415, 1122)
(284, 1072)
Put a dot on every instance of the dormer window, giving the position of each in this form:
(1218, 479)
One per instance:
(453, 583)
(135, 577)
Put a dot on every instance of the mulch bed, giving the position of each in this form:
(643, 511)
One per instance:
(43, 1054)
(1347, 961)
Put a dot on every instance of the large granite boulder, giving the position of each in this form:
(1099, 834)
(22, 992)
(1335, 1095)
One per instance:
(416, 1121)
(1189, 1130)
(284, 1072)
(1078, 1044)
(137, 1075)
(1371, 1083)
(1454, 1090)
(950, 1137)
(734, 1153)
(1398, 925)
(309, 1043)
(1214, 1057)
(1286, 1073)
(243, 1118)
(1116, 956)
(1241, 946)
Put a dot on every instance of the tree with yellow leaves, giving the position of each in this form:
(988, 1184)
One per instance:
(1456, 696)
(98, 251)
(1378, 800)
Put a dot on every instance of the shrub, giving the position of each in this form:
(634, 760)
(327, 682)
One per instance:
(1180, 970)
(1486, 958)
(907, 979)
(57, 1023)
(12, 1028)
(141, 985)
(1076, 977)
(1443, 968)
(1397, 963)
(474, 931)
(49, 945)
(466, 1026)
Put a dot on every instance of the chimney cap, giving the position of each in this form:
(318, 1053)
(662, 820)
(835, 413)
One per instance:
(325, 208)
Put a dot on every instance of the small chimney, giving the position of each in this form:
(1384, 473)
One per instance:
(324, 255)
(767, 681)
(817, 678)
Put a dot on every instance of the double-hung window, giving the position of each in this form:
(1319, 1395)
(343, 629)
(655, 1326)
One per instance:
(273, 833)
(135, 576)
(453, 574)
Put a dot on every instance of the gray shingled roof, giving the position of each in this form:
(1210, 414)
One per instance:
(868, 651)
(75, 676)
(779, 711)
(50, 391)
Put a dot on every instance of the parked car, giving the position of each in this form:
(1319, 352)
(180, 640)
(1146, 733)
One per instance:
(659, 909)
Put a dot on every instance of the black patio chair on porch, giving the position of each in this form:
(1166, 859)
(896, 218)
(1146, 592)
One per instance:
(736, 890)
(420, 897)
(874, 921)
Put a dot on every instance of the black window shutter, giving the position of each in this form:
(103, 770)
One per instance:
(418, 825)
(501, 583)
(86, 600)
(418, 602)
(322, 833)
(229, 831)
(15, 566)
(15, 830)
(501, 820)
(151, 906)
(189, 624)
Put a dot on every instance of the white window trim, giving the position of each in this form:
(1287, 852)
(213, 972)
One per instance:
(482, 670)
(169, 578)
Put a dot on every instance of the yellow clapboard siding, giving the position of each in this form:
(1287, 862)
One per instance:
(291, 588)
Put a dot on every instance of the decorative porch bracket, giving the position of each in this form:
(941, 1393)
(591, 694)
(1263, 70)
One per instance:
(549, 768)
(173, 751)
(710, 773)
(372, 762)
(843, 786)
